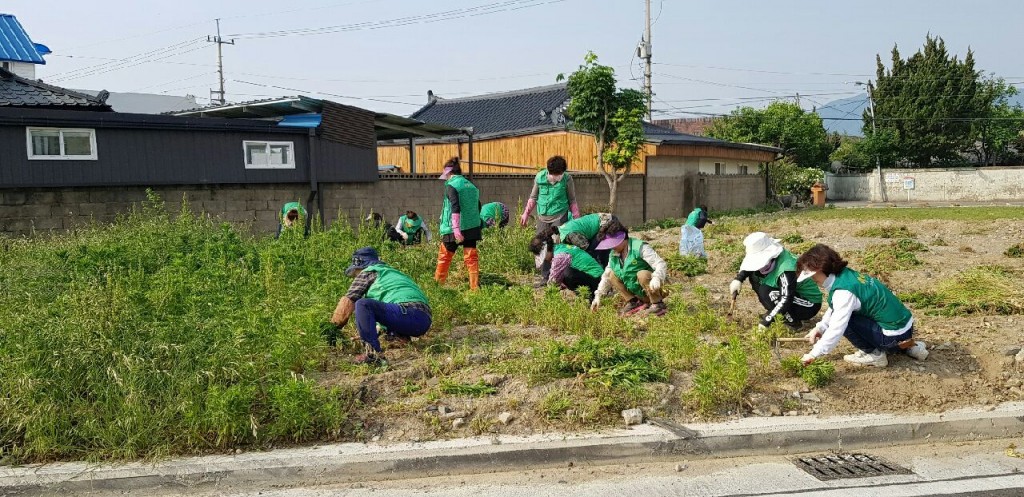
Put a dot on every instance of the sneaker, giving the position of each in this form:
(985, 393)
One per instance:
(634, 306)
(877, 359)
(919, 351)
(370, 359)
(659, 309)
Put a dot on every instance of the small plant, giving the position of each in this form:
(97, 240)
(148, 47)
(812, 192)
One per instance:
(792, 238)
(886, 232)
(722, 378)
(939, 242)
(816, 374)
(1016, 251)
(607, 362)
(555, 405)
(689, 265)
(478, 389)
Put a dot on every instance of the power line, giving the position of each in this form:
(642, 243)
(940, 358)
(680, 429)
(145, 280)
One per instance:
(299, 90)
(115, 60)
(127, 61)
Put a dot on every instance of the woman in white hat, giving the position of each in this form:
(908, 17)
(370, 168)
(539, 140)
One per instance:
(773, 276)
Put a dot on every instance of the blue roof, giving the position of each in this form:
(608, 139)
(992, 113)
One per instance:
(15, 45)
(301, 121)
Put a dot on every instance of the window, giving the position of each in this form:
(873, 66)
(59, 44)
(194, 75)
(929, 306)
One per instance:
(61, 144)
(269, 155)
(743, 170)
(719, 168)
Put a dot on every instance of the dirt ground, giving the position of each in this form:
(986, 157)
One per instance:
(969, 363)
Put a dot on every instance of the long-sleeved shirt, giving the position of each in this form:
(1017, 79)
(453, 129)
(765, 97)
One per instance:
(833, 324)
(787, 292)
(649, 256)
(362, 283)
(570, 192)
(560, 265)
(423, 227)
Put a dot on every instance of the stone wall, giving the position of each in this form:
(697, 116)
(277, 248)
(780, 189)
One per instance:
(965, 184)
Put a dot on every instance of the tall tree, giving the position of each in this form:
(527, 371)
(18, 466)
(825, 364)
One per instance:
(800, 134)
(996, 136)
(927, 102)
(613, 115)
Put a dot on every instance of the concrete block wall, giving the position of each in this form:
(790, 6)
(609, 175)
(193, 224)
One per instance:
(731, 192)
(966, 184)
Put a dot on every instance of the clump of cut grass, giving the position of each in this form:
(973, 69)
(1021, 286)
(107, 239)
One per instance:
(1015, 251)
(939, 242)
(722, 378)
(792, 238)
(689, 265)
(885, 232)
(980, 290)
(478, 389)
(607, 362)
(882, 259)
(816, 374)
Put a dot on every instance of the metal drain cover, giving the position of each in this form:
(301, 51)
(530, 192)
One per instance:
(837, 466)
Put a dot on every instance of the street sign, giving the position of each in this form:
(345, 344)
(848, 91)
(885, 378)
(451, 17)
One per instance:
(908, 183)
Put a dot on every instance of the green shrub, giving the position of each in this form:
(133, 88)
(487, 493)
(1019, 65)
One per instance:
(689, 265)
(1016, 250)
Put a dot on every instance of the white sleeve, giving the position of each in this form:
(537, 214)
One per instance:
(603, 286)
(426, 230)
(398, 224)
(651, 257)
(835, 321)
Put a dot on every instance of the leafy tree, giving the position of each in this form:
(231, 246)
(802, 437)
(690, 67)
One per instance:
(785, 125)
(927, 103)
(996, 138)
(613, 115)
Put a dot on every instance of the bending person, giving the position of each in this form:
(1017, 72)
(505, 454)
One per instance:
(412, 229)
(290, 214)
(494, 214)
(772, 273)
(381, 294)
(571, 267)
(636, 271)
(460, 224)
(861, 308)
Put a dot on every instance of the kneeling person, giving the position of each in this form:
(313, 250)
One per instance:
(636, 271)
(381, 294)
(772, 272)
(572, 268)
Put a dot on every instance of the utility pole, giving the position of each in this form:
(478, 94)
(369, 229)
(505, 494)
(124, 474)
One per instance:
(874, 131)
(646, 54)
(220, 65)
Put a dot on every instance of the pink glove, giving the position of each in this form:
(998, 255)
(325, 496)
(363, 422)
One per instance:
(575, 208)
(456, 227)
(525, 218)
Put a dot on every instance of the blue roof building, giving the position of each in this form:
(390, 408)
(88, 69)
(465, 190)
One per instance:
(18, 53)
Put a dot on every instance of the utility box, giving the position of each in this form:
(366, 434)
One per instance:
(818, 194)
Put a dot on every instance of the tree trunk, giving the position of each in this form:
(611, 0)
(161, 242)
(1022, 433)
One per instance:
(613, 188)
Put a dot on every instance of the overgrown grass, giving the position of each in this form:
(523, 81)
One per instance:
(1015, 251)
(886, 232)
(882, 259)
(980, 290)
(816, 374)
(605, 361)
(721, 379)
(689, 265)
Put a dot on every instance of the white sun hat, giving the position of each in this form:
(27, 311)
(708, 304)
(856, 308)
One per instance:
(761, 249)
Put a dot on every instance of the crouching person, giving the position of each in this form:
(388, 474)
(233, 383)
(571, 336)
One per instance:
(772, 273)
(572, 268)
(636, 272)
(381, 294)
(860, 308)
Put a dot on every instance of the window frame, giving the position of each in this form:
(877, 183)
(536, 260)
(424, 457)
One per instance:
(268, 144)
(93, 155)
(744, 170)
(719, 168)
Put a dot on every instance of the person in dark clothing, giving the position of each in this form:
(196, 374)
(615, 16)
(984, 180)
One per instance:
(460, 224)
(390, 233)
(773, 277)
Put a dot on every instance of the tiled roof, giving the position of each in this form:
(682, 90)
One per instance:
(15, 45)
(500, 112)
(690, 126)
(16, 91)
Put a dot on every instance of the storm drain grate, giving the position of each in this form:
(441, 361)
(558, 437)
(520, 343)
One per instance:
(837, 466)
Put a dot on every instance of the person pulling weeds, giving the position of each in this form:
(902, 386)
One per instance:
(861, 308)
(772, 273)
(381, 294)
(412, 229)
(636, 272)
(290, 214)
(572, 268)
(494, 214)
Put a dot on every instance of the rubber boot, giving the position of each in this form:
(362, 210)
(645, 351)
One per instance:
(472, 260)
(444, 261)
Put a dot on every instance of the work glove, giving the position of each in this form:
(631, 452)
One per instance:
(404, 235)
(595, 304)
(807, 359)
(525, 218)
(457, 227)
(734, 288)
(575, 209)
(655, 284)
(813, 336)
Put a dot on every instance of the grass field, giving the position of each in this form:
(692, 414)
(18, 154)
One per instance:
(169, 333)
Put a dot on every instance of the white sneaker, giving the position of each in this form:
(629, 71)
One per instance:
(877, 359)
(919, 351)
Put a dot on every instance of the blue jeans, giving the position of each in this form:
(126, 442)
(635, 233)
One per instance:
(865, 334)
(394, 317)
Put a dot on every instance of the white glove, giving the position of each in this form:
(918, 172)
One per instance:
(807, 359)
(734, 288)
(813, 336)
(595, 304)
(655, 284)
(404, 235)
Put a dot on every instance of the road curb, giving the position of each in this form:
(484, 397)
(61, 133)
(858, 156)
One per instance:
(658, 441)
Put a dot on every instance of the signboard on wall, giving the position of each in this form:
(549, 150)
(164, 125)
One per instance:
(892, 177)
(908, 182)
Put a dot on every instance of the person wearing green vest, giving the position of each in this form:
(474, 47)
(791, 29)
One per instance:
(494, 214)
(698, 217)
(572, 268)
(636, 272)
(860, 308)
(381, 294)
(460, 224)
(412, 229)
(290, 213)
(554, 197)
(772, 272)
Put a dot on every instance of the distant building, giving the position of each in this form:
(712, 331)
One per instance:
(18, 53)
(690, 125)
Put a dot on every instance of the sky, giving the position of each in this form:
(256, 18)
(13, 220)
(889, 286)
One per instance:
(709, 55)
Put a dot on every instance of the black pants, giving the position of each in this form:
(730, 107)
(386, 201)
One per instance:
(472, 236)
(800, 310)
(575, 279)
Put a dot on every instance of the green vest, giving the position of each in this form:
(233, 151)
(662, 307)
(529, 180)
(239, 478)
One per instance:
(876, 301)
(492, 211)
(469, 203)
(553, 199)
(580, 260)
(410, 226)
(806, 289)
(292, 205)
(694, 215)
(587, 226)
(393, 286)
(627, 267)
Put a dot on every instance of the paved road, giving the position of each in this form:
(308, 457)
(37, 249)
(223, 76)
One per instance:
(963, 470)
